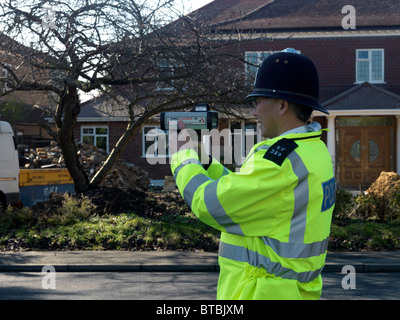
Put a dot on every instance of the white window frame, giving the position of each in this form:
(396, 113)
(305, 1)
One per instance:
(96, 135)
(155, 136)
(369, 60)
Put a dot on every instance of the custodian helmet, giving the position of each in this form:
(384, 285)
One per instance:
(290, 76)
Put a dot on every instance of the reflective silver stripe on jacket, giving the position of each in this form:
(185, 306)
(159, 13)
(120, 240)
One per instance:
(192, 186)
(301, 197)
(255, 259)
(297, 250)
(185, 163)
(225, 172)
(212, 203)
(216, 210)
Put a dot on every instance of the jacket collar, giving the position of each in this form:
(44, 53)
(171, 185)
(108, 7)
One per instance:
(311, 127)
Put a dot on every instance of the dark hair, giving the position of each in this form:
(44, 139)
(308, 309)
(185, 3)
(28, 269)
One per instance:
(302, 112)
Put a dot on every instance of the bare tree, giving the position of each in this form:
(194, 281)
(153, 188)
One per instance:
(129, 49)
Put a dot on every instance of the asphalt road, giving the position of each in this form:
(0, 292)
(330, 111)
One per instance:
(170, 286)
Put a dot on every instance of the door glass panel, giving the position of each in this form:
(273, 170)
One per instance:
(355, 151)
(373, 151)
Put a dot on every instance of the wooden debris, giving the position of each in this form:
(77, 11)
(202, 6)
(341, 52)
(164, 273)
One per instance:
(122, 175)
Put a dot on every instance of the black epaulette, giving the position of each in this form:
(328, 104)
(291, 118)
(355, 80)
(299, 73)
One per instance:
(278, 152)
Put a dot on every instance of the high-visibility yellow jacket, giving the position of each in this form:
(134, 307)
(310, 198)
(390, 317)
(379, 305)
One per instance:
(274, 215)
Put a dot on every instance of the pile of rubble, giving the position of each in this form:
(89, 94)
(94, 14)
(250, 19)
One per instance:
(122, 176)
(382, 199)
(47, 157)
(385, 185)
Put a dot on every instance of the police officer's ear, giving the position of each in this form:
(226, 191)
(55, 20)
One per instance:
(284, 107)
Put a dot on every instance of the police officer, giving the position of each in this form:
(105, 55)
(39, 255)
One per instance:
(275, 214)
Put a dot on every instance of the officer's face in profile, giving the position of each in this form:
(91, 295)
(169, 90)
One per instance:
(267, 112)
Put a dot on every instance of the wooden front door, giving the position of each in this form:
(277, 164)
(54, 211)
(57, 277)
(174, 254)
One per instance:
(364, 152)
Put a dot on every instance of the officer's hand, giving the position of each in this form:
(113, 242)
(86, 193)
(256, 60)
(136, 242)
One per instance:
(181, 125)
(194, 143)
(187, 139)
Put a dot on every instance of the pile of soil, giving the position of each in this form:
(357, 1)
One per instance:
(125, 177)
(150, 203)
(385, 184)
(381, 201)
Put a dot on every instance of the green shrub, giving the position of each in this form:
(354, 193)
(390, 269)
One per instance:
(358, 235)
(14, 218)
(344, 205)
(384, 208)
(70, 211)
(75, 209)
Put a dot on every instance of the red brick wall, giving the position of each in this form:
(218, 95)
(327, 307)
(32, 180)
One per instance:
(335, 58)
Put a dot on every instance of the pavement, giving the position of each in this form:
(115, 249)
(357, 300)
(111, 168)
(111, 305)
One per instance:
(176, 261)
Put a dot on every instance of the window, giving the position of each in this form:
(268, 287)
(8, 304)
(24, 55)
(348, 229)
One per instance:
(254, 60)
(155, 142)
(166, 70)
(370, 66)
(4, 77)
(96, 136)
(365, 121)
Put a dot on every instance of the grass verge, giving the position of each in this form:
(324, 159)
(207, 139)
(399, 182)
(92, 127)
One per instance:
(356, 235)
(21, 230)
(73, 226)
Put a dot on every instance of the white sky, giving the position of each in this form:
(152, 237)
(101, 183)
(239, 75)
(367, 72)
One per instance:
(191, 5)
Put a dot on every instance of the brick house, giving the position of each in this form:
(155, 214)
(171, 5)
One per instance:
(23, 109)
(355, 49)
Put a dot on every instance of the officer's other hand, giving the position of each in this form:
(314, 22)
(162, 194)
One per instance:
(181, 125)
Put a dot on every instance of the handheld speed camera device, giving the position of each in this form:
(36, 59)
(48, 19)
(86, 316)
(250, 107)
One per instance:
(201, 117)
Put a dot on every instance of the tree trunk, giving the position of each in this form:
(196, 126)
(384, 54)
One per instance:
(70, 105)
(114, 154)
